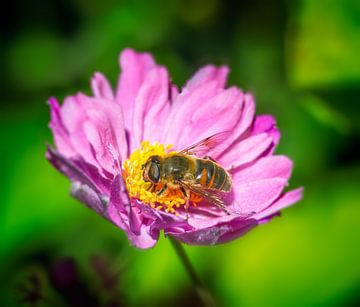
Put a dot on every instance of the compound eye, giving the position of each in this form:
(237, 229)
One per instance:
(155, 159)
(154, 172)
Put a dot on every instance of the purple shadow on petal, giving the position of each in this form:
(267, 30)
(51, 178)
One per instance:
(269, 218)
(238, 229)
(219, 233)
(83, 187)
(79, 170)
(135, 219)
(139, 234)
(86, 195)
(118, 213)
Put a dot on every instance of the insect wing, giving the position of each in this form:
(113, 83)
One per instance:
(218, 199)
(205, 145)
(206, 194)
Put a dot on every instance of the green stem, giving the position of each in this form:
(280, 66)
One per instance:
(202, 292)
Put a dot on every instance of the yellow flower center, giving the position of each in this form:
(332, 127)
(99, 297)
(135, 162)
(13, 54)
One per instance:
(147, 192)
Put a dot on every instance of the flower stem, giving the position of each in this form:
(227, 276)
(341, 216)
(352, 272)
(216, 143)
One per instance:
(203, 293)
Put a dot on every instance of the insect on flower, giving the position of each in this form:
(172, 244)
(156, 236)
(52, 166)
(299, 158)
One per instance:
(195, 178)
(195, 163)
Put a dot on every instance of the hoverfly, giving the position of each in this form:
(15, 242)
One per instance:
(185, 171)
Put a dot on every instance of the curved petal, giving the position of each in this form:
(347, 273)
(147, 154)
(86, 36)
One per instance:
(61, 135)
(282, 202)
(266, 167)
(119, 213)
(170, 224)
(219, 233)
(205, 236)
(181, 111)
(152, 107)
(105, 131)
(245, 151)
(247, 115)
(258, 185)
(266, 123)
(73, 114)
(243, 125)
(89, 197)
(134, 68)
(205, 75)
(238, 229)
(77, 170)
(101, 87)
(252, 197)
(220, 114)
(87, 184)
(199, 221)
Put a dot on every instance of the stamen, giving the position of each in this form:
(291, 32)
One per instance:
(171, 199)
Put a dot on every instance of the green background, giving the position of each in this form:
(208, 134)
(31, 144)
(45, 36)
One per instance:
(299, 58)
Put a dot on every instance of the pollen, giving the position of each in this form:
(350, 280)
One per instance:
(147, 192)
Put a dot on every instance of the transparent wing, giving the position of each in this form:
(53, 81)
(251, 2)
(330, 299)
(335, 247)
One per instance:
(207, 144)
(217, 198)
(208, 195)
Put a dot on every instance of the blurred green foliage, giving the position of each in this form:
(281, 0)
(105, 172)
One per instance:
(299, 58)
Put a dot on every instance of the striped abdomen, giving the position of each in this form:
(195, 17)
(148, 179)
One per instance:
(212, 176)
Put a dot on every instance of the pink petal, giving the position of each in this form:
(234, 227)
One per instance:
(134, 68)
(254, 196)
(248, 113)
(105, 131)
(135, 220)
(267, 167)
(89, 197)
(206, 236)
(101, 87)
(283, 202)
(169, 223)
(219, 233)
(220, 113)
(79, 170)
(61, 136)
(73, 114)
(151, 107)
(245, 151)
(72, 111)
(182, 110)
(246, 119)
(266, 123)
(238, 229)
(206, 75)
(118, 212)
(241, 129)
(199, 221)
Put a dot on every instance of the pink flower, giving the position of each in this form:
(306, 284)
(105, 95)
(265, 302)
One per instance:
(100, 147)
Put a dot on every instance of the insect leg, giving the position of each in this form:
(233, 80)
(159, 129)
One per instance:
(162, 191)
(187, 201)
(151, 188)
(182, 189)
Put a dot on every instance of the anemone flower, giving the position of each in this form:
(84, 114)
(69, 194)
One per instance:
(104, 142)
